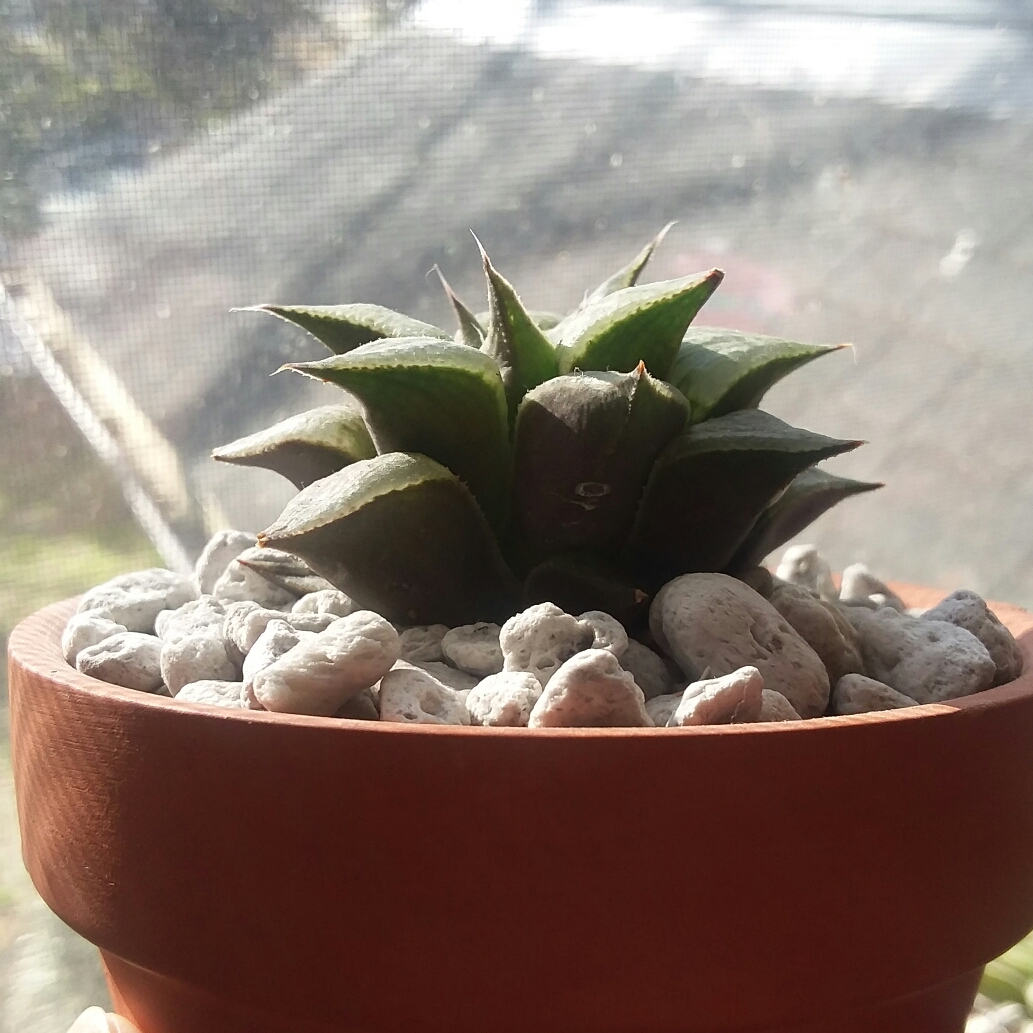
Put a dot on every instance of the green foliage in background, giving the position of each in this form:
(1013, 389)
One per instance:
(63, 524)
(1010, 977)
(83, 82)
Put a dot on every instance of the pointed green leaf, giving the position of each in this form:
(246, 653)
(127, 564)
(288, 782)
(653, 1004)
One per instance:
(576, 582)
(583, 448)
(436, 397)
(720, 371)
(710, 485)
(636, 324)
(628, 276)
(305, 447)
(344, 327)
(541, 319)
(524, 354)
(402, 536)
(470, 331)
(285, 570)
(811, 494)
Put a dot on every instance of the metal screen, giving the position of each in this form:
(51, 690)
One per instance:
(860, 171)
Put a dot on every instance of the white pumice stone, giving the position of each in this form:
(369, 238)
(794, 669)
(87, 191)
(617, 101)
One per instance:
(248, 699)
(967, 610)
(823, 626)
(505, 699)
(318, 675)
(860, 585)
(607, 632)
(732, 698)
(540, 639)
(277, 639)
(239, 583)
(661, 708)
(246, 621)
(474, 648)
(803, 565)
(221, 550)
(651, 673)
(775, 707)
(361, 707)
(84, 630)
(423, 642)
(204, 615)
(215, 693)
(928, 660)
(327, 600)
(590, 690)
(135, 600)
(199, 657)
(450, 676)
(715, 621)
(410, 695)
(857, 694)
(130, 659)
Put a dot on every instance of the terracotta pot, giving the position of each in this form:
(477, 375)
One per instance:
(251, 873)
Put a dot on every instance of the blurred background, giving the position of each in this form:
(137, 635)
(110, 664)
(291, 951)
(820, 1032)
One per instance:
(860, 169)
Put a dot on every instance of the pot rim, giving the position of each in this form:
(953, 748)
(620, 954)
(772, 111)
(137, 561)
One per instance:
(34, 644)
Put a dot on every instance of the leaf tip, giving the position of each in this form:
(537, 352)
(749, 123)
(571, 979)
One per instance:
(480, 248)
(659, 238)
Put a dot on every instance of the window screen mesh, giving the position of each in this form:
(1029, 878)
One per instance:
(860, 171)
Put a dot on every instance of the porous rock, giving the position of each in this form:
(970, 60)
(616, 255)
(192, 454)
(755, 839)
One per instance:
(775, 707)
(318, 675)
(278, 638)
(928, 660)
(541, 638)
(326, 600)
(760, 579)
(84, 630)
(590, 690)
(198, 657)
(823, 626)
(423, 642)
(450, 676)
(731, 698)
(859, 586)
(505, 699)
(409, 694)
(361, 707)
(858, 694)
(226, 694)
(130, 659)
(222, 548)
(607, 632)
(650, 671)
(661, 708)
(239, 583)
(474, 648)
(965, 609)
(803, 565)
(715, 621)
(135, 600)
(202, 615)
(245, 622)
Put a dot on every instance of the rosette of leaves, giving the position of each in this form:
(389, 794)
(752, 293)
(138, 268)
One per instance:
(584, 459)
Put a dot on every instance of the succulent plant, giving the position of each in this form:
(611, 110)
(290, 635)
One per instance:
(584, 459)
